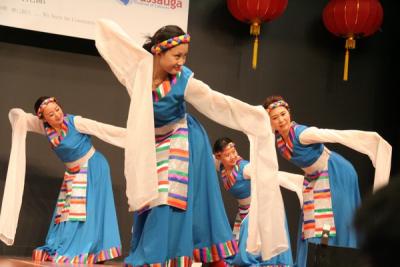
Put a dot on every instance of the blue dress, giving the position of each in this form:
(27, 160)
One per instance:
(344, 190)
(240, 188)
(96, 238)
(167, 235)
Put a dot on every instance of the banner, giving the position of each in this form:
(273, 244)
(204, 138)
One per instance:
(77, 17)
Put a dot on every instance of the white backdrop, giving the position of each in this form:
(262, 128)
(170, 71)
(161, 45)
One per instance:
(77, 17)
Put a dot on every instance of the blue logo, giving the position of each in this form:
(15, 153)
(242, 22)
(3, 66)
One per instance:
(125, 2)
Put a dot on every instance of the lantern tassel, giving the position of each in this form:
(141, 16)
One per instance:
(255, 30)
(346, 66)
(255, 53)
(350, 44)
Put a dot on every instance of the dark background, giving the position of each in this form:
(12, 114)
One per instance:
(298, 59)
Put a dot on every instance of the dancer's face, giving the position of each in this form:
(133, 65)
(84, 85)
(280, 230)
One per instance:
(280, 120)
(172, 60)
(53, 115)
(228, 156)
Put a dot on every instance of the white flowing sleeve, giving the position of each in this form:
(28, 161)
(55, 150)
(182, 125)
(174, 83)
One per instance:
(121, 53)
(290, 181)
(267, 232)
(217, 163)
(247, 171)
(133, 66)
(370, 143)
(108, 133)
(21, 122)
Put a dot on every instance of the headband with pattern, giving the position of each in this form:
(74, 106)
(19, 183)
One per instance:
(229, 145)
(279, 103)
(43, 105)
(169, 43)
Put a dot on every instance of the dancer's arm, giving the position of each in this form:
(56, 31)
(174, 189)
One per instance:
(21, 123)
(265, 235)
(106, 132)
(370, 143)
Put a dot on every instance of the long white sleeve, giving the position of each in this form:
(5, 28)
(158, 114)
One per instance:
(267, 232)
(33, 123)
(133, 66)
(226, 110)
(122, 54)
(370, 143)
(290, 181)
(14, 186)
(108, 133)
(217, 163)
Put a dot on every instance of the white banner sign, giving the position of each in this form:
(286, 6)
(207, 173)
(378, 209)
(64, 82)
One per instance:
(77, 17)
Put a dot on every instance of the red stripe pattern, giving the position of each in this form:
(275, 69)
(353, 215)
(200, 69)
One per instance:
(172, 153)
(242, 213)
(71, 203)
(85, 258)
(317, 206)
(286, 148)
(206, 254)
(54, 136)
(229, 179)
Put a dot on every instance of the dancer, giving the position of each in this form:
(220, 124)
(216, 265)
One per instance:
(84, 226)
(170, 172)
(235, 173)
(331, 192)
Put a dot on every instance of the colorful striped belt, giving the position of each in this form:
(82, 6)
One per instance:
(71, 203)
(172, 153)
(317, 206)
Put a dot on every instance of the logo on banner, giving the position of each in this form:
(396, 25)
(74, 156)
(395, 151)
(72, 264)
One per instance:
(125, 2)
(169, 4)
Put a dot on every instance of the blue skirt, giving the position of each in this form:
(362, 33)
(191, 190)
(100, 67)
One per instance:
(94, 240)
(167, 235)
(244, 258)
(346, 198)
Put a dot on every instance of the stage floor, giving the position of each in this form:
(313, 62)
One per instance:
(27, 262)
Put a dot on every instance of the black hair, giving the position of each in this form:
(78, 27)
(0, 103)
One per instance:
(162, 34)
(38, 102)
(220, 144)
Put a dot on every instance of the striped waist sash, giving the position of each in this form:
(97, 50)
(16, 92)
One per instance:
(172, 153)
(243, 211)
(71, 203)
(317, 207)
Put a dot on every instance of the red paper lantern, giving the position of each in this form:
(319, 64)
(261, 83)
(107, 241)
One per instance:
(352, 19)
(255, 12)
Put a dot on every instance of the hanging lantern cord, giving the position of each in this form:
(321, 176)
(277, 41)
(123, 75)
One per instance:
(350, 44)
(255, 30)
